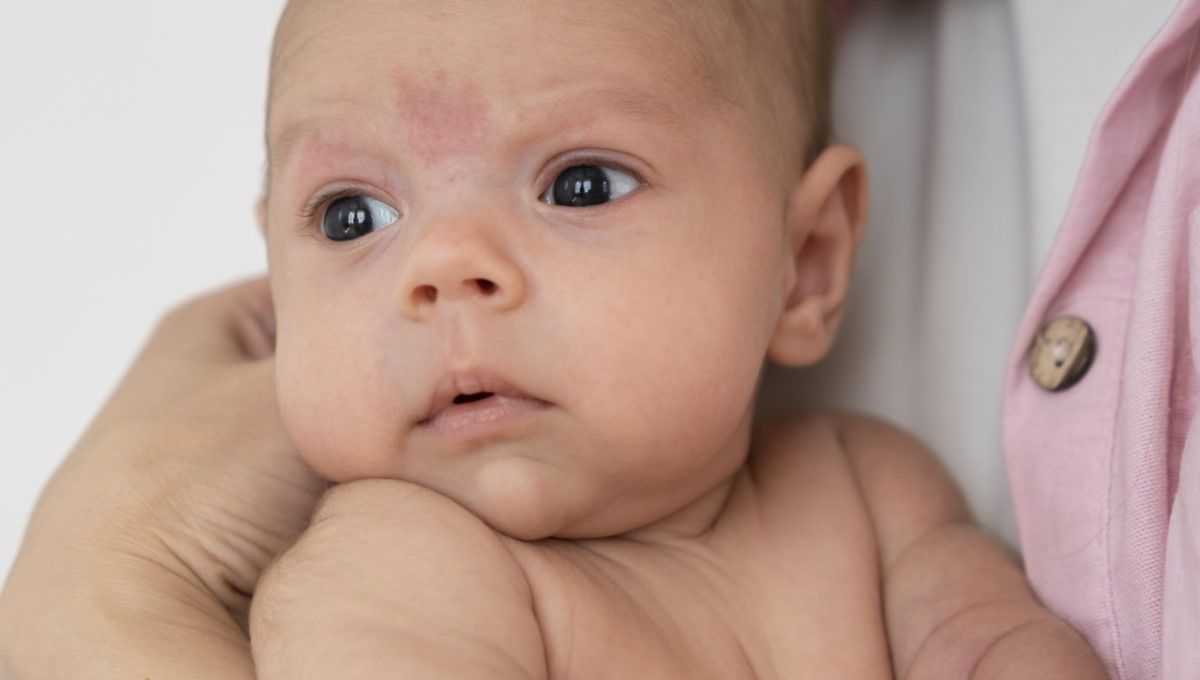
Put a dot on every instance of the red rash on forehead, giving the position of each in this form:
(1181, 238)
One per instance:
(442, 122)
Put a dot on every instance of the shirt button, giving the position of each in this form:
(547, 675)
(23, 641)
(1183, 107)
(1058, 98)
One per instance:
(1062, 353)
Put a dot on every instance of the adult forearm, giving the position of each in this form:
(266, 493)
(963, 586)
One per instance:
(128, 629)
(141, 553)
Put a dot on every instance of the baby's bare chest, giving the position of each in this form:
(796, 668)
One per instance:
(744, 602)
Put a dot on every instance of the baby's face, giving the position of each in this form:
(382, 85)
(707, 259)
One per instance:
(550, 200)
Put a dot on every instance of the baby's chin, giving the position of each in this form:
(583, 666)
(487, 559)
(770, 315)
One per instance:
(529, 500)
(520, 497)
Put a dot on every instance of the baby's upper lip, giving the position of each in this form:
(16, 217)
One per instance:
(469, 381)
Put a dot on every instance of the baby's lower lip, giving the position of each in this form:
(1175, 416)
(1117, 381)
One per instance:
(482, 418)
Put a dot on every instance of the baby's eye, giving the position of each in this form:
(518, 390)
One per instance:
(353, 216)
(582, 185)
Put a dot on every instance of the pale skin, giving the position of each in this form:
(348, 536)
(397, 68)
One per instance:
(683, 579)
(641, 526)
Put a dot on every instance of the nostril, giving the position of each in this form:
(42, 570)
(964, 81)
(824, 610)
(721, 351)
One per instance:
(427, 293)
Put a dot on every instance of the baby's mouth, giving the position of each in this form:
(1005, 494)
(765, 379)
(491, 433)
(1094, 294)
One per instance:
(468, 398)
(480, 416)
(471, 395)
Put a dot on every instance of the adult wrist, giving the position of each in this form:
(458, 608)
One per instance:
(137, 619)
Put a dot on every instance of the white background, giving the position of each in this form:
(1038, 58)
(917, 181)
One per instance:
(130, 158)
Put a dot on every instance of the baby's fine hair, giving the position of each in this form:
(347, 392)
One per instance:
(788, 54)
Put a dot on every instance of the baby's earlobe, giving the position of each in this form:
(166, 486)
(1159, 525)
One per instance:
(802, 336)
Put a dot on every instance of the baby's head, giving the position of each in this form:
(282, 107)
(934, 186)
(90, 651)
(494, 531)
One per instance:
(605, 216)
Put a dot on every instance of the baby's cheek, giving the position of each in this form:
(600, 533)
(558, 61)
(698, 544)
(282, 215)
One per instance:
(335, 407)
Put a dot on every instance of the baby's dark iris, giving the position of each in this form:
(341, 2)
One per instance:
(348, 218)
(582, 185)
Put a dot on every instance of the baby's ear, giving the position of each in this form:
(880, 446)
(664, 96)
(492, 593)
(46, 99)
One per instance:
(260, 213)
(825, 215)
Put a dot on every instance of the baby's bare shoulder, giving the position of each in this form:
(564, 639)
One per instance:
(898, 479)
(907, 489)
(805, 541)
(800, 468)
(840, 455)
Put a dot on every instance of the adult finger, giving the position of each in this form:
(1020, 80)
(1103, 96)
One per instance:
(232, 324)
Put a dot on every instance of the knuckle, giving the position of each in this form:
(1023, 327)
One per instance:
(182, 309)
(247, 293)
(175, 320)
(170, 318)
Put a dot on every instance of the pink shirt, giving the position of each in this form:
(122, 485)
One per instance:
(1105, 474)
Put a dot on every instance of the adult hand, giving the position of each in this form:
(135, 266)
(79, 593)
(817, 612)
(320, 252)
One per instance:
(146, 544)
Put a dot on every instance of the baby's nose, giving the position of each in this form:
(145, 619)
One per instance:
(452, 265)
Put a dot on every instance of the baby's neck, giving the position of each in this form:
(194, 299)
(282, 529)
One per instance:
(692, 520)
(700, 515)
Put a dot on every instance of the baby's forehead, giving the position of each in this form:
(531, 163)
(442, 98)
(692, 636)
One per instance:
(696, 26)
(666, 45)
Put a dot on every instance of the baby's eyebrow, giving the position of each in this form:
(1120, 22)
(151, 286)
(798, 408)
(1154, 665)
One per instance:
(639, 104)
(287, 141)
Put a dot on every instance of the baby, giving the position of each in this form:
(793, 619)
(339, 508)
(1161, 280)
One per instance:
(528, 260)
